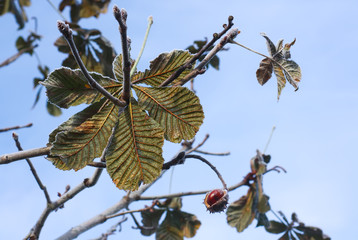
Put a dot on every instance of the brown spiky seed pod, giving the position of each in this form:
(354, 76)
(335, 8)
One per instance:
(216, 200)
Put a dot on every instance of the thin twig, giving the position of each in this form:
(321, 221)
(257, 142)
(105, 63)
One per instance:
(121, 17)
(210, 165)
(58, 11)
(131, 211)
(212, 153)
(15, 127)
(33, 170)
(188, 64)
(17, 55)
(277, 169)
(199, 145)
(67, 33)
(269, 139)
(150, 22)
(200, 69)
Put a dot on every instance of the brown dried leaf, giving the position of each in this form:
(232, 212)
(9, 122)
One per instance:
(264, 72)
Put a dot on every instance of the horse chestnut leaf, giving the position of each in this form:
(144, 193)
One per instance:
(216, 200)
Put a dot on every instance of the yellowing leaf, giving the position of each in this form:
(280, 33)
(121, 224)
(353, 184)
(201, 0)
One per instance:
(176, 109)
(84, 136)
(240, 213)
(67, 87)
(162, 67)
(281, 80)
(135, 152)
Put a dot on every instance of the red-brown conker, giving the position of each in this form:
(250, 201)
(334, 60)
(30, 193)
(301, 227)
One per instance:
(216, 200)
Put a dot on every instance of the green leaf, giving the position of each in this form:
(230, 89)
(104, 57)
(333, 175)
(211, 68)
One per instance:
(118, 68)
(162, 67)
(175, 203)
(176, 109)
(96, 51)
(135, 151)
(262, 220)
(150, 220)
(240, 213)
(276, 227)
(83, 137)
(177, 225)
(53, 109)
(311, 233)
(67, 87)
(85, 8)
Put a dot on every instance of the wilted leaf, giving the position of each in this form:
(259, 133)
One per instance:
(135, 153)
(311, 233)
(53, 109)
(282, 67)
(177, 225)
(67, 87)
(162, 67)
(292, 72)
(176, 109)
(175, 203)
(83, 137)
(262, 220)
(264, 72)
(150, 220)
(117, 67)
(240, 213)
(276, 227)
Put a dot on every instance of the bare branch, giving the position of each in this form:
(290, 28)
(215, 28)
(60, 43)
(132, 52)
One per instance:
(200, 68)
(199, 145)
(67, 33)
(132, 211)
(17, 55)
(188, 64)
(33, 170)
(12, 157)
(121, 17)
(15, 127)
(101, 218)
(211, 153)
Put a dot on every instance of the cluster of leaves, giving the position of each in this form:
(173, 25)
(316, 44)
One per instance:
(254, 204)
(176, 224)
(295, 229)
(279, 63)
(84, 8)
(197, 46)
(134, 152)
(27, 45)
(16, 8)
(96, 52)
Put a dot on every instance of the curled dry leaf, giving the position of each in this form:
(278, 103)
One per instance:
(264, 72)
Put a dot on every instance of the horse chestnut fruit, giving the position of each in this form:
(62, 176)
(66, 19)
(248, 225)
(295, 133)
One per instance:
(216, 200)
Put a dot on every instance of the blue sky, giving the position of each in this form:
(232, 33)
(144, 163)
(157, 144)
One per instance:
(316, 132)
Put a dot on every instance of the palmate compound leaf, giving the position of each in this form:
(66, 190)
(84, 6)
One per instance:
(135, 151)
(82, 138)
(177, 225)
(67, 87)
(162, 67)
(176, 109)
(283, 68)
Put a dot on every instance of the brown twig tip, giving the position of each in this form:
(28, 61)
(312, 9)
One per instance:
(15, 136)
(64, 29)
(120, 15)
(230, 19)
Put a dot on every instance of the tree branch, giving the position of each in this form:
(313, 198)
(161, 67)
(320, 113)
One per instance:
(32, 168)
(15, 127)
(12, 157)
(67, 33)
(200, 68)
(17, 55)
(188, 64)
(121, 17)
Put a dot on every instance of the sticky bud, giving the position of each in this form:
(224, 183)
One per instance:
(216, 200)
